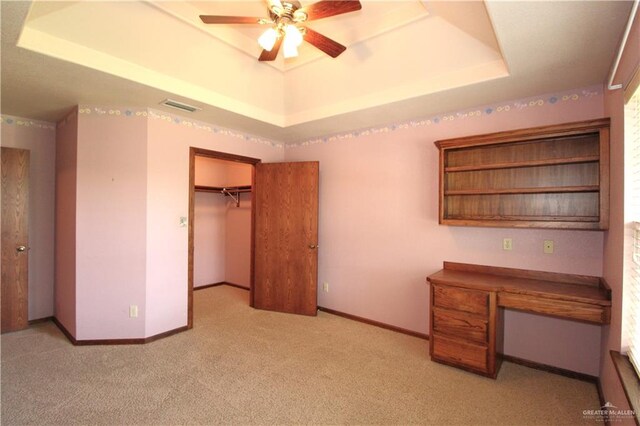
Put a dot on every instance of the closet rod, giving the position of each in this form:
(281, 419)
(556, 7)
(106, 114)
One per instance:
(237, 190)
(219, 189)
(230, 191)
(235, 198)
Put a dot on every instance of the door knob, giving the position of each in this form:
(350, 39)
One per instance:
(21, 249)
(313, 246)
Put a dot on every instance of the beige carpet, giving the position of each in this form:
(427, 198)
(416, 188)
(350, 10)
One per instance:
(244, 366)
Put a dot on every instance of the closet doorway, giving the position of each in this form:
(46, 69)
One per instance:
(220, 221)
(283, 251)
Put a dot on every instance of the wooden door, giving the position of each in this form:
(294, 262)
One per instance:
(286, 237)
(15, 207)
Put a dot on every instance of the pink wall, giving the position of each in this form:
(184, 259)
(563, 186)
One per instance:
(167, 200)
(379, 233)
(66, 161)
(238, 242)
(614, 238)
(209, 255)
(111, 231)
(39, 138)
(209, 230)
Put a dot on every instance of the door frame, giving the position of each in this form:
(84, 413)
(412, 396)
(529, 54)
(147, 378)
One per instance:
(200, 152)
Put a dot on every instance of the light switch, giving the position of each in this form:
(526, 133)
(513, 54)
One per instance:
(183, 221)
(548, 246)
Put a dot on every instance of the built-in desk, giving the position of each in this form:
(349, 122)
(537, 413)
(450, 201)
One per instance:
(466, 322)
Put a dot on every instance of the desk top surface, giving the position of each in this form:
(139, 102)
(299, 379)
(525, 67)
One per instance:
(482, 278)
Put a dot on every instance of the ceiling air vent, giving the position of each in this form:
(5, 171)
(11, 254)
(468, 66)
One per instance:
(179, 105)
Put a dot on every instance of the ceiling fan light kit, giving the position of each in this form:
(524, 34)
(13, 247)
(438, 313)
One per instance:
(268, 39)
(285, 18)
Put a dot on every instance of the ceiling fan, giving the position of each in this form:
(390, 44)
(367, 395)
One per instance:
(285, 19)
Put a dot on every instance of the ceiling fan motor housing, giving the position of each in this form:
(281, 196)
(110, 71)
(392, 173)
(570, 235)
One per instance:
(289, 13)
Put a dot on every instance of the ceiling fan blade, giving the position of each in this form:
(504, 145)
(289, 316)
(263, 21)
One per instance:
(328, 46)
(214, 19)
(267, 55)
(326, 8)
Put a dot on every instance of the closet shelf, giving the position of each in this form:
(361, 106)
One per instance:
(221, 189)
(230, 191)
(519, 164)
(541, 190)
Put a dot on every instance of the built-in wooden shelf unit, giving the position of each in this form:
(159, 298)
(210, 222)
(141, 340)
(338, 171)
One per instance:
(543, 177)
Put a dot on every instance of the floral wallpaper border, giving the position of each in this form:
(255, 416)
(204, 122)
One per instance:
(500, 108)
(177, 120)
(25, 122)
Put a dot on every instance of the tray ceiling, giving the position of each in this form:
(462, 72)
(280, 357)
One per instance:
(403, 59)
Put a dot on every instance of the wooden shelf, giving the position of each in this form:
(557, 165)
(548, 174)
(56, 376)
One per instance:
(519, 164)
(544, 177)
(545, 190)
(528, 218)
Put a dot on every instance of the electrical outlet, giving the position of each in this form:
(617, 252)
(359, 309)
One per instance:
(133, 311)
(507, 244)
(547, 246)
(325, 287)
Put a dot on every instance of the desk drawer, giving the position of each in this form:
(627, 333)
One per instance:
(460, 324)
(461, 299)
(459, 353)
(554, 307)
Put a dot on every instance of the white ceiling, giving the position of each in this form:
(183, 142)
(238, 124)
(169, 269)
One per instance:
(404, 59)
